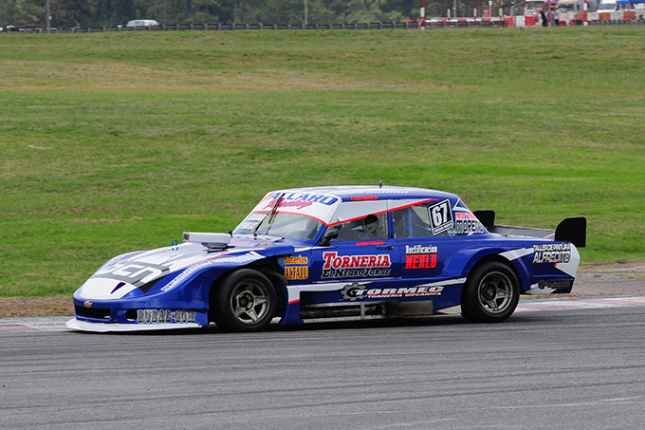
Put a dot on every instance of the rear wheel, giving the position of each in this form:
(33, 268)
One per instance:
(244, 301)
(491, 293)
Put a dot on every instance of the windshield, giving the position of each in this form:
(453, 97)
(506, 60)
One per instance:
(279, 224)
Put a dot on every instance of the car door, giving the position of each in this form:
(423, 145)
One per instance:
(428, 236)
(419, 240)
(362, 256)
(357, 254)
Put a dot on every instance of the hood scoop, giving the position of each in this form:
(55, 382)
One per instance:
(212, 241)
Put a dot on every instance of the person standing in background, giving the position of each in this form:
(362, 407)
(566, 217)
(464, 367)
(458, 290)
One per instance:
(543, 9)
(556, 18)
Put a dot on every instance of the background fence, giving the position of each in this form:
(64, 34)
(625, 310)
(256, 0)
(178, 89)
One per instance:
(430, 24)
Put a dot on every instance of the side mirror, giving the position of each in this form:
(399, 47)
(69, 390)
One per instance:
(331, 233)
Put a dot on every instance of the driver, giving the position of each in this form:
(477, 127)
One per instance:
(371, 226)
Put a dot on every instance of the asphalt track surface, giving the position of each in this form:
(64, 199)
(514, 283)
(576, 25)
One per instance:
(552, 365)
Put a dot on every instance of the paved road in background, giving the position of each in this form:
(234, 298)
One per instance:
(543, 368)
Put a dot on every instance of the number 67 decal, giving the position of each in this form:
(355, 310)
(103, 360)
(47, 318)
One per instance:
(440, 217)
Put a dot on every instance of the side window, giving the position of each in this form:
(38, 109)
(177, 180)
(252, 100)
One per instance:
(423, 220)
(367, 228)
(437, 219)
(412, 222)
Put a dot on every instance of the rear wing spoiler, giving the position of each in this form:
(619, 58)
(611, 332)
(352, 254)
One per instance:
(572, 230)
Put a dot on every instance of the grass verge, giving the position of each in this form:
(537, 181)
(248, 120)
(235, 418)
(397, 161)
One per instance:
(117, 142)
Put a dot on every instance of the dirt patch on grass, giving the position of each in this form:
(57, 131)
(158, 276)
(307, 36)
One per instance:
(28, 307)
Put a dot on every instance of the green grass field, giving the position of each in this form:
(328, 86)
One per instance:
(117, 142)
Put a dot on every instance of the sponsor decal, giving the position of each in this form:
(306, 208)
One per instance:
(298, 259)
(300, 200)
(355, 291)
(464, 215)
(556, 284)
(421, 261)
(551, 253)
(283, 204)
(384, 191)
(161, 316)
(389, 293)
(420, 257)
(370, 243)
(335, 261)
(353, 266)
(420, 249)
(468, 226)
(467, 223)
(441, 217)
(296, 273)
(135, 273)
(296, 267)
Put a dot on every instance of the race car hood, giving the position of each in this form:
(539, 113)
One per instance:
(142, 270)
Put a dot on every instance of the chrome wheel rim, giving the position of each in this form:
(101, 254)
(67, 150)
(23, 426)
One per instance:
(495, 293)
(250, 302)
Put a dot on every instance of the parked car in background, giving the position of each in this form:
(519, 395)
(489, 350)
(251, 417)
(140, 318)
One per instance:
(142, 23)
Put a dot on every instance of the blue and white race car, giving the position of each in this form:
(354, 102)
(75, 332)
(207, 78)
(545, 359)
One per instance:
(329, 254)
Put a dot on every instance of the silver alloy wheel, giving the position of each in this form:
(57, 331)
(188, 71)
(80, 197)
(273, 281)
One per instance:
(250, 301)
(495, 292)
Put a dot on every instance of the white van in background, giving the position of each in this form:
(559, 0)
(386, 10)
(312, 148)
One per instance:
(610, 10)
(142, 23)
(614, 6)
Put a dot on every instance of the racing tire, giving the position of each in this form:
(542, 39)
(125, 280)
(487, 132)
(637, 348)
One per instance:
(491, 293)
(245, 301)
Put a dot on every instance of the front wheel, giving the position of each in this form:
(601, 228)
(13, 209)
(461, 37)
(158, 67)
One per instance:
(491, 293)
(244, 301)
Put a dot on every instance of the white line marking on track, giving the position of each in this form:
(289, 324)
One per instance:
(580, 303)
(34, 324)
